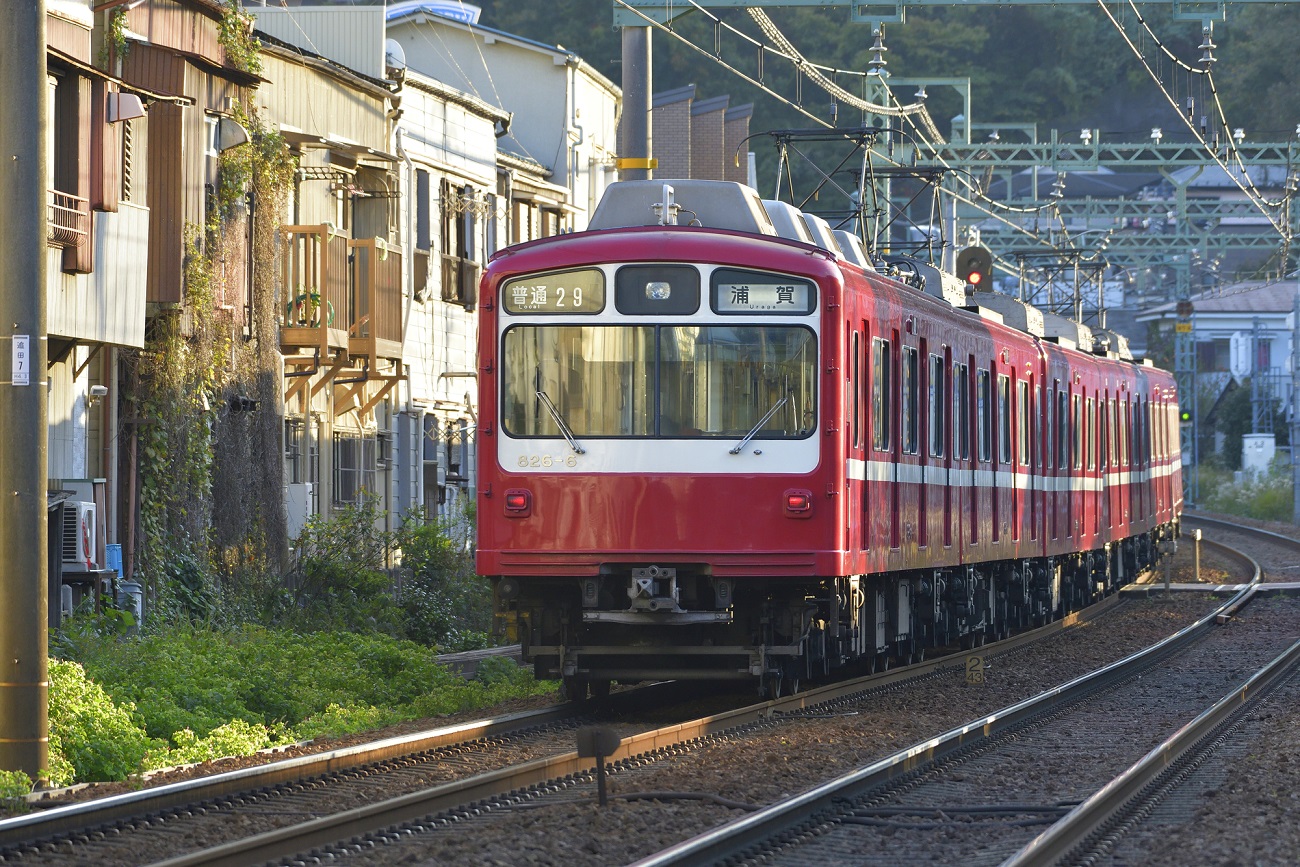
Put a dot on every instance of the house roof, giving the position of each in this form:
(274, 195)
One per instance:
(416, 12)
(1276, 297)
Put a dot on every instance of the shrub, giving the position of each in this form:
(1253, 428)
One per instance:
(338, 578)
(1267, 497)
(235, 738)
(14, 785)
(96, 739)
(445, 604)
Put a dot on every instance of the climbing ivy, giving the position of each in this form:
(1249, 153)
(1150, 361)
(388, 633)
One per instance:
(235, 35)
(210, 490)
(115, 44)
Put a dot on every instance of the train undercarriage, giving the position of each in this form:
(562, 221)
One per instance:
(676, 621)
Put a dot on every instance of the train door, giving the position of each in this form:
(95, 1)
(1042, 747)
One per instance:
(855, 487)
(1004, 489)
(908, 463)
(961, 476)
(941, 424)
(984, 502)
(884, 440)
(1105, 460)
(1090, 464)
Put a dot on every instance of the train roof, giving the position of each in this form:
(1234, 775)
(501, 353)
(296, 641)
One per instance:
(715, 204)
(733, 206)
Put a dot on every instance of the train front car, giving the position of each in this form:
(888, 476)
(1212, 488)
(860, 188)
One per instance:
(653, 494)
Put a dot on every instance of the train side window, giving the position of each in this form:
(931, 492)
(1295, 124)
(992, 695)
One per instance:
(1112, 435)
(984, 414)
(1077, 440)
(1004, 419)
(937, 398)
(882, 421)
(1023, 415)
(908, 402)
(1062, 431)
(1090, 432)
(854, 378)
(961, 418)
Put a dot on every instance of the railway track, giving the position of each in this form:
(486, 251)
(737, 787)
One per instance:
(236, 818)
(1079, 758)
(561, 777)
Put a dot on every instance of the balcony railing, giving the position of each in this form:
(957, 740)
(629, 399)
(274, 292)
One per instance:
(376, 300)
(314, 291)
(69, 220)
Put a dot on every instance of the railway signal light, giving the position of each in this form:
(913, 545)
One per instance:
(975, 266)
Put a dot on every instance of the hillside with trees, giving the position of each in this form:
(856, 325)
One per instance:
(1064, 67)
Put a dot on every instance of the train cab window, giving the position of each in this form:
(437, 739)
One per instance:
(1004, 419)
(667, 381)
(882, 416)
(984, 415)
(961, 417)
(909, 401)
(938, 402)
(653, 290)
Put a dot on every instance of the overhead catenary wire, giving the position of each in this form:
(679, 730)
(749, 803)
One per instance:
(1247, 186)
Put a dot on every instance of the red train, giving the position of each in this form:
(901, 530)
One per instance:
(716, 442)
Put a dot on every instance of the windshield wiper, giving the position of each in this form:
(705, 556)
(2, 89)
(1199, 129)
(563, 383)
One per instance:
(561, 423)
(756, 428)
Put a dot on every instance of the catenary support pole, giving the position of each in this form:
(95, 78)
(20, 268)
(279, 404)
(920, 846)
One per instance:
(24, 665)
(635, 139)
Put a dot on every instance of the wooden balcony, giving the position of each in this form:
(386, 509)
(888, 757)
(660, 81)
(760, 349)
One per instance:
(68, 221)
(314, 288)
(376, 301)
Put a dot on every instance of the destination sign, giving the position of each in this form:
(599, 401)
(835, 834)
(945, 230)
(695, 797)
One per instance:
(738, 292)
(579, 291)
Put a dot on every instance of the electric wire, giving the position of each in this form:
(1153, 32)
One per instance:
(1252, 193)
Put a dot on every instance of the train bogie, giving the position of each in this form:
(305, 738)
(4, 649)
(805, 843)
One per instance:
(711, 451)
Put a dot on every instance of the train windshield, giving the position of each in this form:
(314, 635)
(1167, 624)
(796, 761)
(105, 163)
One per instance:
(673, 381)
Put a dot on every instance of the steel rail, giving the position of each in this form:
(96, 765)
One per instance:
(77, 817)
(331, 830)
(1133, 786)
(741, 834)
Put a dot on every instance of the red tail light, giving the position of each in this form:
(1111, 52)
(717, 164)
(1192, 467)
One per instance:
(798, 503)
(519, 503)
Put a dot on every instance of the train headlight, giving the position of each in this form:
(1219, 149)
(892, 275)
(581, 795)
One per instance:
(658, 290)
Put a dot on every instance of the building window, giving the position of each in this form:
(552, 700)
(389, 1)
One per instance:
(355, 462)
(301, 456)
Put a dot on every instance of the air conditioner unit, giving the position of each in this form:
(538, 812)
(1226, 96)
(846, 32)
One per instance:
(79, 540)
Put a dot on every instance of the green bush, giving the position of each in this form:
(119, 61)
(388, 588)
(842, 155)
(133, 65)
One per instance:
(14, 785)
(91, 737)
(235, 738)
(337, 580)
(1266, 497)
(444, 603)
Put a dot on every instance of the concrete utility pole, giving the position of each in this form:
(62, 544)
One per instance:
(1295, 409)
(635, 135)
(24, 570)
